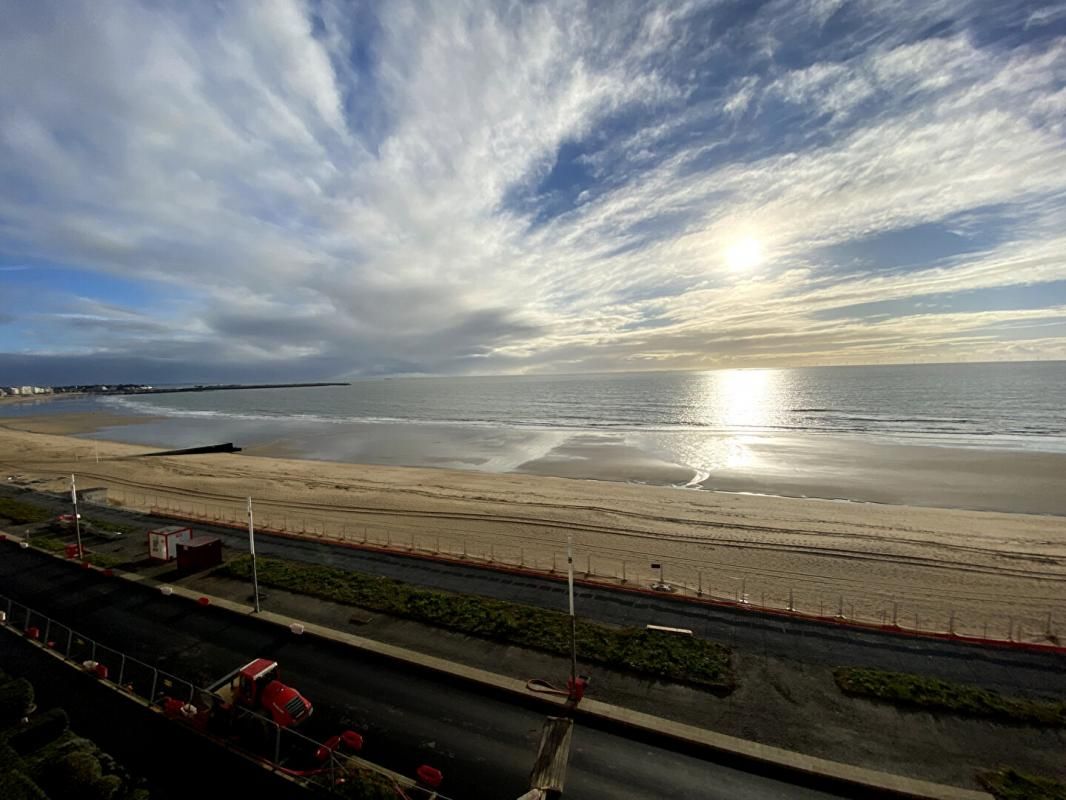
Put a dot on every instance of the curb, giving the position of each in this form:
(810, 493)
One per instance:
(796, 767)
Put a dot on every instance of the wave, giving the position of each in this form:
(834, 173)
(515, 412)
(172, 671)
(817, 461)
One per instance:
(955, 432)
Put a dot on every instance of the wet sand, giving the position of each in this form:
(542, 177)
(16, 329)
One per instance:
(69, 424)
(990, 570)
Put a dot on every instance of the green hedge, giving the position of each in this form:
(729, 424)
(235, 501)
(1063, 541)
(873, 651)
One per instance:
(932, 694)
(16, 698)
(1008, 784)
(14, 785)
(44, 760)
(679, 658)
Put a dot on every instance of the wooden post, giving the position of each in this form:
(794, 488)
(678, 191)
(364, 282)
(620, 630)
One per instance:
(549, 768)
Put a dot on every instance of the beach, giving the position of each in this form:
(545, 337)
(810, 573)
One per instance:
(1001, 574)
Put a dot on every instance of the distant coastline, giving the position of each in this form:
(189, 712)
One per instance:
(224, 387)
(122, 389)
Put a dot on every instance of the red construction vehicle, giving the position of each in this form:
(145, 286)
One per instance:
(256, 686)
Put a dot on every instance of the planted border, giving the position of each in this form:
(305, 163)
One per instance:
(1009, 784)
(20, 513)
(53, 545)
(686, 659)
(933, 694)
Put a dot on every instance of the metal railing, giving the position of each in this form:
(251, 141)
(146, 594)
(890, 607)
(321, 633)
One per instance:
(809, 595)
(262, 738)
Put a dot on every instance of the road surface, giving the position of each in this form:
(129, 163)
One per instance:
(484, 745)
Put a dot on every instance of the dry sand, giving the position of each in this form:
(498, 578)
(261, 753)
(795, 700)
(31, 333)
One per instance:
(992, 571)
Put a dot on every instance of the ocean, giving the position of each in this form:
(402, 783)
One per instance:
(1003, 405)
(853, 432)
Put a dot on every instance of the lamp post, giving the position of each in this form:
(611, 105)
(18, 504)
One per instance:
(251, 549)
(573, 618)
(77, 519)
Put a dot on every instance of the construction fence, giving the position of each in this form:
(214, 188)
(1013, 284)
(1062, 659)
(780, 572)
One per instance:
(1032, 622)
(284, 750)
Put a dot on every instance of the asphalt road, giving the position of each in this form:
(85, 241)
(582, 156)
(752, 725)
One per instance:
(483, 744)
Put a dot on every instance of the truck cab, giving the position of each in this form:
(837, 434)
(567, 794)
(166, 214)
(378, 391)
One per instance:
(256, 685)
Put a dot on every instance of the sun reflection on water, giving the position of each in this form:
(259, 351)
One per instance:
(734, 405)
(741, 398)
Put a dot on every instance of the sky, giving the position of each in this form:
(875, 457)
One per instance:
(283, 190)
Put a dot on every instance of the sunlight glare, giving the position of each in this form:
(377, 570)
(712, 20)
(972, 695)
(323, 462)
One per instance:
(744, 255)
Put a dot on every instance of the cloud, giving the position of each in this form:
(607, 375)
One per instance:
(471, 188)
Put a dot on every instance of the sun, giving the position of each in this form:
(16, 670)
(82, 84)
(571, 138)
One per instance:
(744, 254)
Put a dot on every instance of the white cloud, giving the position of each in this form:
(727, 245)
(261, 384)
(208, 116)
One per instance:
(343, 187)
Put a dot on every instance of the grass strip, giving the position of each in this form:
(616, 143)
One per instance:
(20, 513)
(1009, 784)
(111, 527)
(49, 543)
(54, 545)
(685, 659)
(932, 694)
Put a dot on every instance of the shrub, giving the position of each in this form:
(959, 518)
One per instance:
(16, 786)
(42, 729)
(1008, 784)
(932, 694)
(16, 699)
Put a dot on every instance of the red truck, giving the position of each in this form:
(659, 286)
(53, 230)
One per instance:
(256, 686)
